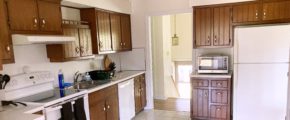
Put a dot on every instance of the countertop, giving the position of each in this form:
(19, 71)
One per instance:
(119, 77)
(25, 113)
(197, 75)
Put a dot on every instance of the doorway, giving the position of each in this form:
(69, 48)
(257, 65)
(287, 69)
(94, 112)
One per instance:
(171, 37)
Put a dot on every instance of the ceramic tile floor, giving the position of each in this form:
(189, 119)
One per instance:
(162, 115)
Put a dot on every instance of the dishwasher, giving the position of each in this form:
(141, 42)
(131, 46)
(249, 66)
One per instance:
(126, 99)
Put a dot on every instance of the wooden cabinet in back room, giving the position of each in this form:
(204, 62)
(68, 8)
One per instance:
(246, 13)
(41, 17)
(212, 27)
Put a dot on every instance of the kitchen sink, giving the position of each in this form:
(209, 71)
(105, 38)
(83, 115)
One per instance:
(89, 84)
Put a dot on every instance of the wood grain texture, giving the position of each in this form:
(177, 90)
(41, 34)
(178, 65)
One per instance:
(140, 93)
(50, 17)
(85, 42)
(172, 104)
(211, 101)
(115, 20)
(104, 31)
(5, 36)
(126, 32)
(28, 19)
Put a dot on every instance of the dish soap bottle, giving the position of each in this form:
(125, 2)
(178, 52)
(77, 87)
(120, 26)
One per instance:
(60, 79)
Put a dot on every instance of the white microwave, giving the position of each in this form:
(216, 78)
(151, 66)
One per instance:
(213, 64)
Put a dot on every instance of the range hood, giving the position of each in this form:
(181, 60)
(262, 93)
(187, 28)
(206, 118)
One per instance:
(19, 39)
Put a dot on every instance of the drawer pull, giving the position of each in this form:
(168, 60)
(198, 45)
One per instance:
(219, 84)
(108, 106)
(219, 93)
(218, 109)
(104, 109)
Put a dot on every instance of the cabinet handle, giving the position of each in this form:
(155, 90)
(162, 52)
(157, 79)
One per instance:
(208, 39)
(265, 14)
(108, 106)
(101, 44)
(215, 38)
(43, 22)
(219, 84)
(205, 95)
(8, 49)
(121, 44)
(82, 49)
(35, 20)
(257, 14)
(219, 93)
(124, 44)
(218, 109)
(104, 109)
(77, 50)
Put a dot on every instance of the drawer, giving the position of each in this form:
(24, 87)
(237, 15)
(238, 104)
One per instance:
(220, 83)
(200, 83)
(219, 96)
(219, 112)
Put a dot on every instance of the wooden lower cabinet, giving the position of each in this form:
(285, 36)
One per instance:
(104, 104)
(140, 93)
(211, 98)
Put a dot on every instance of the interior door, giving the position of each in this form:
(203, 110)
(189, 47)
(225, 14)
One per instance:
(23, 15)
(49, 16)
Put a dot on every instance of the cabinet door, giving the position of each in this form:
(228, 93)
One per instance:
(115, 20)
(126, 32)
(203, 27)
(112, 105)
(200, 103)
(276, 10)
(246, 13)
(98, 110)
(72, 49)
(49, 16)
(5, 37)
(222, 29)
(85, 42)
(104, 31)
(219, 96)
(219, 112)
(23, 15)
(137, 89)
(143, 91)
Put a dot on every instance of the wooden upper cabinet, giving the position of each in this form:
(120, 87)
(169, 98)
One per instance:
(6, 46)
(41, 17)
(222, 29)
(203, 27)
(126, 32)
(115, 20)
(85, 42)
(279, 10)
(104, 31)
(72, 49)
(248, 12)
(213, 27)
(49, 16)
(23, 15)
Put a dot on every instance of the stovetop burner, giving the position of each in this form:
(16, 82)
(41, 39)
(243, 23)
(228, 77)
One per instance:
(48, 96)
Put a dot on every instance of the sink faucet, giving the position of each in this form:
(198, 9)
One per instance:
(76, 76)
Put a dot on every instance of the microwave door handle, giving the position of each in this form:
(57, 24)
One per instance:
(53, 109)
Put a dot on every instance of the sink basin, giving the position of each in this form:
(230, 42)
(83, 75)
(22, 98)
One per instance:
(89, 84)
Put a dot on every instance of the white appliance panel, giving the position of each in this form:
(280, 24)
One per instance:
(126, 100)
(262, 44)
(260, 91)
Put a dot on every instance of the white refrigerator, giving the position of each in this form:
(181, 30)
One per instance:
(261, 65)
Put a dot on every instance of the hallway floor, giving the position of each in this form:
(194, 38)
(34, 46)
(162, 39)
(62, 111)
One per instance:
(173, 104)
(162, 115)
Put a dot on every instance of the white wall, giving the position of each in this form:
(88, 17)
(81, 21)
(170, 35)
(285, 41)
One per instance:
(183, 51)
